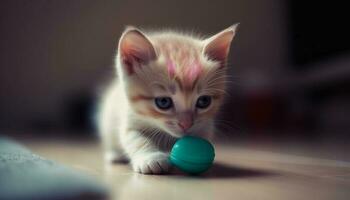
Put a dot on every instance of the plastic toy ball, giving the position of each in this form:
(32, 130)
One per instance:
(192, 155)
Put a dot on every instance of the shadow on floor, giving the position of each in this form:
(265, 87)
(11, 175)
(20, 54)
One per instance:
(222, 171)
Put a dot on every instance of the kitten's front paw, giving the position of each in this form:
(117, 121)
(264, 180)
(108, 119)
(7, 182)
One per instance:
(151, 163)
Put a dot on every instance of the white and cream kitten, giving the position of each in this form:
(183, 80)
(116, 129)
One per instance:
(168, 85)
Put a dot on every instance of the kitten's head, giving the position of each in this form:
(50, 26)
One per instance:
(174, 81)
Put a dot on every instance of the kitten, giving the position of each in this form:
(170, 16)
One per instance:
(169, 85)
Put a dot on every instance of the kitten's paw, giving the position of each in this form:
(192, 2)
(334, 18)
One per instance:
(114, 157)
(151, 163)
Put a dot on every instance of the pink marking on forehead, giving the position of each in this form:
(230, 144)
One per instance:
(171, 68)
(192, 72)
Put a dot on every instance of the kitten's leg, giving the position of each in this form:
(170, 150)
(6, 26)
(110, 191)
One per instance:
(114, 155)
(145, 157)
(113, 151)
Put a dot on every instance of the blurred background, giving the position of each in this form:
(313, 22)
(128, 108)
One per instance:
(290, 62)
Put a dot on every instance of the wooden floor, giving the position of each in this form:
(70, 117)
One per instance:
(241, 172)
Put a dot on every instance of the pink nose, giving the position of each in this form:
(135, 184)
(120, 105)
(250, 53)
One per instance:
(185, 125)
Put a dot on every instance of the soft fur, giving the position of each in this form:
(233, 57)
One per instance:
(161, 64)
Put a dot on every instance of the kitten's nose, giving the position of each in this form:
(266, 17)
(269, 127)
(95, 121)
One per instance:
(185, 125)
(185, 120)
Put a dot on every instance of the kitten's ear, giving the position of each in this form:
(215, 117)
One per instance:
(217, 47)
(135, 49)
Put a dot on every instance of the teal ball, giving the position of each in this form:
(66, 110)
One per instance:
(192, 155)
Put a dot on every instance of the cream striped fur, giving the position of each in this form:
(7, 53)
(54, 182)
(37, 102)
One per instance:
(161, 64)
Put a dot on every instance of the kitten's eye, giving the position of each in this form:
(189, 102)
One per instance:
(163, 103)
(203, 101)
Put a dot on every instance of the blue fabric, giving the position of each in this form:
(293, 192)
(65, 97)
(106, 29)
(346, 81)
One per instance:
(24, 175)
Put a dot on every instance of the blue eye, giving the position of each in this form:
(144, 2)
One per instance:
(203, 101)
(163, 103)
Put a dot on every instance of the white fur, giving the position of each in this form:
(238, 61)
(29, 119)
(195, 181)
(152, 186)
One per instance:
(122, 129)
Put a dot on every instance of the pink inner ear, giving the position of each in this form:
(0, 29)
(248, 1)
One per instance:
(218, 48)
(218, 52)
(128, 65)
(135, 50)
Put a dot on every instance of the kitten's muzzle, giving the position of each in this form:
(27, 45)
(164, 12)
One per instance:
(185, 121)
(185, 125)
